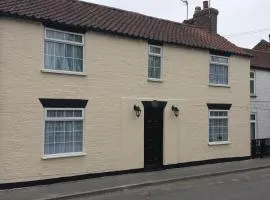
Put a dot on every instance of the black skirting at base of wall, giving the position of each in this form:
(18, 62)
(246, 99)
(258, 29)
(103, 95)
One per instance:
(4, 186)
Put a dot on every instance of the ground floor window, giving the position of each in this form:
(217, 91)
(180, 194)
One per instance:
(218, 126)
(63, 130)
(253, 126)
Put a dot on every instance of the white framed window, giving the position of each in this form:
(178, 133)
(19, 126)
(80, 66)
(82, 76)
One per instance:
(219, 70)
(154, 62)
(63, 132)
(63, 51)
(218, 126)
(252, 83)
(253, 127)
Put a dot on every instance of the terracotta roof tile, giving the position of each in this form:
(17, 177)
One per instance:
(91, 16)
(263, 45)
(260, 59)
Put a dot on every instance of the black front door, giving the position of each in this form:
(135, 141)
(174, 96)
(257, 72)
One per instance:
(153, 134)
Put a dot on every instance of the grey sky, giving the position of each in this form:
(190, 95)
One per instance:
(235, 16)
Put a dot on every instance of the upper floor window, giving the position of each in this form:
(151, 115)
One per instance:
(63, 51)
(219, 70)
(154, 62)
(252, 83)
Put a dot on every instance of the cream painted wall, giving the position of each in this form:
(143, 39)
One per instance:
(116, 79)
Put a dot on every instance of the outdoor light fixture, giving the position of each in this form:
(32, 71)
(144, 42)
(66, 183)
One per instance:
(175, 110)
(137, 110)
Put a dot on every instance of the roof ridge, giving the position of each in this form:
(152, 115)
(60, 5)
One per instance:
(261, 51)
(138, 13)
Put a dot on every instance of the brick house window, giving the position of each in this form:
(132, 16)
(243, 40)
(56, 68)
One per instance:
(219, 70)
(154, 62)
(63, 134)
(63, 51)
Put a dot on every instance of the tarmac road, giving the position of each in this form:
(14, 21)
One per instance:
(241, 186)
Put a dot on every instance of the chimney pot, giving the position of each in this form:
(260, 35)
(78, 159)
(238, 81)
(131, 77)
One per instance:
(205, 5)
(197, 9)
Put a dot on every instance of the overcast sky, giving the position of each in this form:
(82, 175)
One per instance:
(237, 18)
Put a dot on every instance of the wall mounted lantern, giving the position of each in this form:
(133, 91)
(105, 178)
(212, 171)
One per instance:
(175, 110)
(137, 110)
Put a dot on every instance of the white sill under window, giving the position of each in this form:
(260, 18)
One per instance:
(63, 155)
(218, 85)
(154, 80)
(63, 72)
(218, 143)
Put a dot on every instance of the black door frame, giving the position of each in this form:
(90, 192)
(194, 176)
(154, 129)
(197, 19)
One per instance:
(159, 105)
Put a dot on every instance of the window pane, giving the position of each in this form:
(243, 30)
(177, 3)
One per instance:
(69, 147)
(49, 48)
(78, 147)
(78, 136)
(251, 74)
(252, 91)
(69, 37)
(50, 34)
(78, 38)
(78, 52)
(154, 66)
(77, 113)
(252, 117)
(60, 136)
(69, 51)
(218, 74)
(49, 62)
(59, 49)
(157, 74)
(156, 50)
(218, 59)
(69, 113)
(49, 149)
(49, 132)
(60, 148)
(78, 126)
(59, 126)
(59, 35)
(78, 65)
(151, 72)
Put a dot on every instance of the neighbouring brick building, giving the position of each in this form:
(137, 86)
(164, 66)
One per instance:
(88, 89)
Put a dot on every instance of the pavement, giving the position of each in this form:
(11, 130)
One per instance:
(109, 184)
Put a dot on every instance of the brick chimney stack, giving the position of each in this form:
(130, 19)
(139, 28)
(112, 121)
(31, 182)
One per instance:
(205, 18)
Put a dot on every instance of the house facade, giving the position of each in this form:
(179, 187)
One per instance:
(260, 92)
(105, 90)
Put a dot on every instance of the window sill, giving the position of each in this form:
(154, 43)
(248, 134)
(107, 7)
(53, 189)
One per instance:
(218, 143)
(62, 155)
(218, 85)
(154, 80)
(253, 96)
(63, 72)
